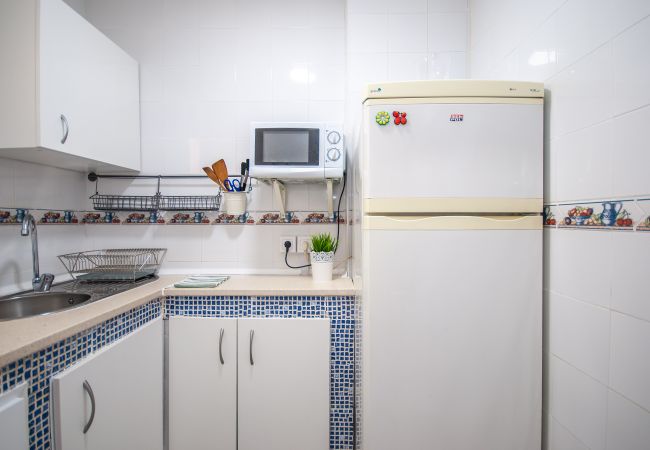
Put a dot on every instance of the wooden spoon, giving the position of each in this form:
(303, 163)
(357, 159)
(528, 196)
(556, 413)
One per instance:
(210, 173)
(221, 171)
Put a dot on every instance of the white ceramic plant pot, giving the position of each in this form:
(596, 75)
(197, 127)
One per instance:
(235, 203)
(321, 266)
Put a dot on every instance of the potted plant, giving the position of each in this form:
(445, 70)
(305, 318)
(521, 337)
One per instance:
(322, 257)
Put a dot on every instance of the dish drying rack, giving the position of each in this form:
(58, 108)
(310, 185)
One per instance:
(156, 202)
(119, 264)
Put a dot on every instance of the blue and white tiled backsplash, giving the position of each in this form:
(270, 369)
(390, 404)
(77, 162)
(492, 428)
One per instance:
(38, 368)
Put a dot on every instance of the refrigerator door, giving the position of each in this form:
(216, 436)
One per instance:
(452, 343)
(484, 156)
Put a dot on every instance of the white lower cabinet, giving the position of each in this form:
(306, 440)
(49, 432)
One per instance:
(113, 399)
(270, 392)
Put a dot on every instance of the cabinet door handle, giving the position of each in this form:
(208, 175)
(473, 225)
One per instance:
(250, 349)
(220, 348)
(65, 127)
(90, 393)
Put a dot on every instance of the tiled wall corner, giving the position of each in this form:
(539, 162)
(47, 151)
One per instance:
(592, 58)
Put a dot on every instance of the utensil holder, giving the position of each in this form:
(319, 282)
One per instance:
(235, 203)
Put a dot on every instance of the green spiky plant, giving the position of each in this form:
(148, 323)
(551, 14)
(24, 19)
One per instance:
(323, 242)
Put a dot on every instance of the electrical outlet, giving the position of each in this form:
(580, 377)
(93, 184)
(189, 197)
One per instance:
(292, 240)
(304, 244)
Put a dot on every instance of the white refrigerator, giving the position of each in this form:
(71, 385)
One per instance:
(451, 265)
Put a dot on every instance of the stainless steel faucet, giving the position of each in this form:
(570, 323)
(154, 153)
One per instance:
(40, 283)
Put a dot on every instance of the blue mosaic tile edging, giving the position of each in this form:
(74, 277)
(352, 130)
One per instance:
(343, 315)
(38, 368)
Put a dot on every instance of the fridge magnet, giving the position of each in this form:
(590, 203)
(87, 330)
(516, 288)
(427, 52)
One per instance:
(382, 118)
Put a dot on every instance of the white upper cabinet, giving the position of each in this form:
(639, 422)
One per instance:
(67, 89)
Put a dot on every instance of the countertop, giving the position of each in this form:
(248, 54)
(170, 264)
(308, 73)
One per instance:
(21, 337)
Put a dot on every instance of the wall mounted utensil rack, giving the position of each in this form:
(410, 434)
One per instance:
(156, 202)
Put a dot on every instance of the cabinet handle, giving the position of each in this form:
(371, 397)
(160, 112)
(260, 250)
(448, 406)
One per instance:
(220, 342)
(250, 349)
(89, 390)
(65, 127)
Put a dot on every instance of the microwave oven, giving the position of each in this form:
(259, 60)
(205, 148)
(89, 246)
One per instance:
(296, 151)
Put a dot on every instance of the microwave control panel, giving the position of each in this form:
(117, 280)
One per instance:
(334, 153)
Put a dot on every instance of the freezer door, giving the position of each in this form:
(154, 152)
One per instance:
(452, 340)
(454, 157)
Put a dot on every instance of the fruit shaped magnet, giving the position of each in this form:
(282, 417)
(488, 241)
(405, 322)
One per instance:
(382, 118)
(400, 118)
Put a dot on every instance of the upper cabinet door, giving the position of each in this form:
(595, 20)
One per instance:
(202, 383)
(120, 388)
(284, 384)
(88, 90)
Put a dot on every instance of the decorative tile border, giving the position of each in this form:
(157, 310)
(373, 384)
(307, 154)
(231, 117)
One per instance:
(38, 368)
(344, 329)
(611, 214)
(13, 216)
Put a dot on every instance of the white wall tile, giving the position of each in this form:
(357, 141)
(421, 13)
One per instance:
(291, 110)
(181, 47)
(447, 32)
(368, 32)
(582, 94)
(579, 334)
(630, 155)
(559, 438)
(580, 265)
(631, 68)
(366, 6)
(630, 282)
(584, 164)
(326, 82)
(573, 42)
(448, 6)
(407, 7)
(579, 403)
(407, 66)
(366, 68)
(407, 33)
(446, 65)
(628, 425)
(625, 13)
(630, 365)
(6, 183)
(538, 55)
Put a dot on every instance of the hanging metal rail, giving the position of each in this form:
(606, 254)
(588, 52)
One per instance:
(157, 202)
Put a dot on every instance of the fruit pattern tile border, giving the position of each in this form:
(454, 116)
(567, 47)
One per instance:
(13, 216)
(38, 368)
(344, 351)
(614, 214)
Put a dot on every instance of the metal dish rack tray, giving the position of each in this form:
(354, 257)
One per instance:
(119, 264)
(148, 203)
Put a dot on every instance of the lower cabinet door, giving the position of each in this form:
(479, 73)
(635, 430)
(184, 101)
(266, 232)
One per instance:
(113, 399)
(202, 383)
(283, 384)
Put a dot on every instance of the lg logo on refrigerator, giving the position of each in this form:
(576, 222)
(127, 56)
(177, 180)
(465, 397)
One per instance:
(456, 118)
